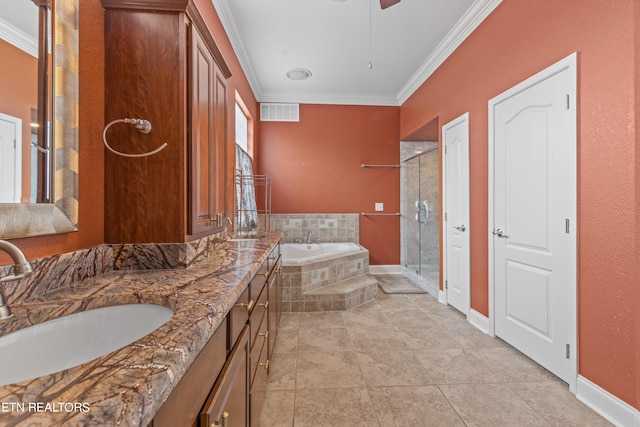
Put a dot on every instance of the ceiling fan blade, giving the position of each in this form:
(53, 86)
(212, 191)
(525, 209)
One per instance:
(388, 3)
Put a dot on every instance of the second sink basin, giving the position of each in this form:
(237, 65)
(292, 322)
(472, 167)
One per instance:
(75, 339)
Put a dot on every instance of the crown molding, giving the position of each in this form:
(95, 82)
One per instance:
(238, 47)
(18, 38)
(472, 18)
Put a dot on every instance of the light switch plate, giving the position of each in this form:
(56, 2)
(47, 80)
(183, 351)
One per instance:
(379, 207)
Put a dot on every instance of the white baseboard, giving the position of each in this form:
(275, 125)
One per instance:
(480, 321)
(442, 297)
(385, 269)
(604, 403)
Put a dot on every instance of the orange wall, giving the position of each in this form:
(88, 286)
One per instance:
(314, 165)
(520, 38)
(19, 96)
(91, 118)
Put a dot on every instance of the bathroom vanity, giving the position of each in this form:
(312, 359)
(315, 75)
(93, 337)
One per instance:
(230, 374)
(207, 365)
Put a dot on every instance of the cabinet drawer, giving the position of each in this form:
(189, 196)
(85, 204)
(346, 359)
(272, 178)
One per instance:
(238, 317)
(258, 281)
(258, 386)
(258, 360)
(256, 322)
(227, 403)
(184, 402)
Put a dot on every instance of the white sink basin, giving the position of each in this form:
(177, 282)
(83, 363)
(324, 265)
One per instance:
(75, 339)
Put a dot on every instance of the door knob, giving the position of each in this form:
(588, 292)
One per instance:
(498, 233)
(461, 228)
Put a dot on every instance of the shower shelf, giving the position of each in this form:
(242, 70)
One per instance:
(379, 214)
(378, 166)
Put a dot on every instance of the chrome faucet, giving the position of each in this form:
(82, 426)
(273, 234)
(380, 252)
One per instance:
(21, 268)
(309, 237)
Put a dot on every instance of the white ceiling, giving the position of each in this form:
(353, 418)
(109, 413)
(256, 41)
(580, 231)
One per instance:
(336, 40)
(19, 24)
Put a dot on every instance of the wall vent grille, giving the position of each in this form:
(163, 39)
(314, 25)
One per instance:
(276, 112)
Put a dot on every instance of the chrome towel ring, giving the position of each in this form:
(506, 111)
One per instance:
(143, 126)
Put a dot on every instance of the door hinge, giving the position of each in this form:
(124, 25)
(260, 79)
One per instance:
(566, 226)
(445, 216)
(568, 103)
(445, 149)
(568, 351)
(446, 284)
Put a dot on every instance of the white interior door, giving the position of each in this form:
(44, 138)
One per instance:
(533, 185)
(455, 136)
(10, 159)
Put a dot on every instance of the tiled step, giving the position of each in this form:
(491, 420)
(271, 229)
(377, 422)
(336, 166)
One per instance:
(342, 295)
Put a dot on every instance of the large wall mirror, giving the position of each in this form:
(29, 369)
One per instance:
(38, 117)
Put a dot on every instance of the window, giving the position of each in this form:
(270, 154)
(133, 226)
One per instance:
(242, 128)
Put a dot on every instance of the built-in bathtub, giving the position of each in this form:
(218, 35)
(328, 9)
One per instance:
(300, 253)
(306, 268)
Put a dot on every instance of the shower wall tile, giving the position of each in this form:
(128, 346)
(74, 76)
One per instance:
(324, 227)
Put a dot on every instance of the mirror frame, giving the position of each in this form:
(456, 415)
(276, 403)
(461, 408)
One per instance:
(61, 216)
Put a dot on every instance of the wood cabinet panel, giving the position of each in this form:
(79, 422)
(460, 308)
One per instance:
(144, 78)
(274, 290)
(202, 153)
(238, 317)
(162, 65)
(228, 399)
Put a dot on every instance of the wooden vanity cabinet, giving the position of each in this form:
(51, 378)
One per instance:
(226, 385)
(162, 65)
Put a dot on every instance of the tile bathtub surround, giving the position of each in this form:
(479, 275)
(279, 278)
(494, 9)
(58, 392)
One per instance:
(407, 360)
(128, 386)
(302, 278)
(325, 227)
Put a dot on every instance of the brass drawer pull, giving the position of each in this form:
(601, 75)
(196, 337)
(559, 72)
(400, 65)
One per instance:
(248, 307)
(264, 334)
(223, 422)
(264, 304)
(265, 274)
(265, 365)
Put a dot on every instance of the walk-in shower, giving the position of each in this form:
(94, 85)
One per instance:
(420, 209)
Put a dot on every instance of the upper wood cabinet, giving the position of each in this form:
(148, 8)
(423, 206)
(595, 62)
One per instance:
(162, 65)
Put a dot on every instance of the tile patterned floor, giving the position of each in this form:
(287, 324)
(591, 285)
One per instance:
(405, 361)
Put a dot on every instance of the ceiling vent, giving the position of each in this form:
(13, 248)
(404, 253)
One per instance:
(276, 112)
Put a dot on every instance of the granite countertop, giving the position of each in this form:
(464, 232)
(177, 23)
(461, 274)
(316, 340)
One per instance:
(128, 386)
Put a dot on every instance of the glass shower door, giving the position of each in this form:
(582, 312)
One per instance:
(421, 214)
(411, 237)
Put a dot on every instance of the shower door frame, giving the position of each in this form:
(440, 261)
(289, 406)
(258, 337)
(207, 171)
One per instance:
(427, 284)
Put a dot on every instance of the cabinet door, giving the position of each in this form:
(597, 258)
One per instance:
(220, 134)
(227, 404)
(207, 133)
(275, 303)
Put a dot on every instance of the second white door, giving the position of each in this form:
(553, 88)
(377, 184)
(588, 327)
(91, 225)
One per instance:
(455, 136)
